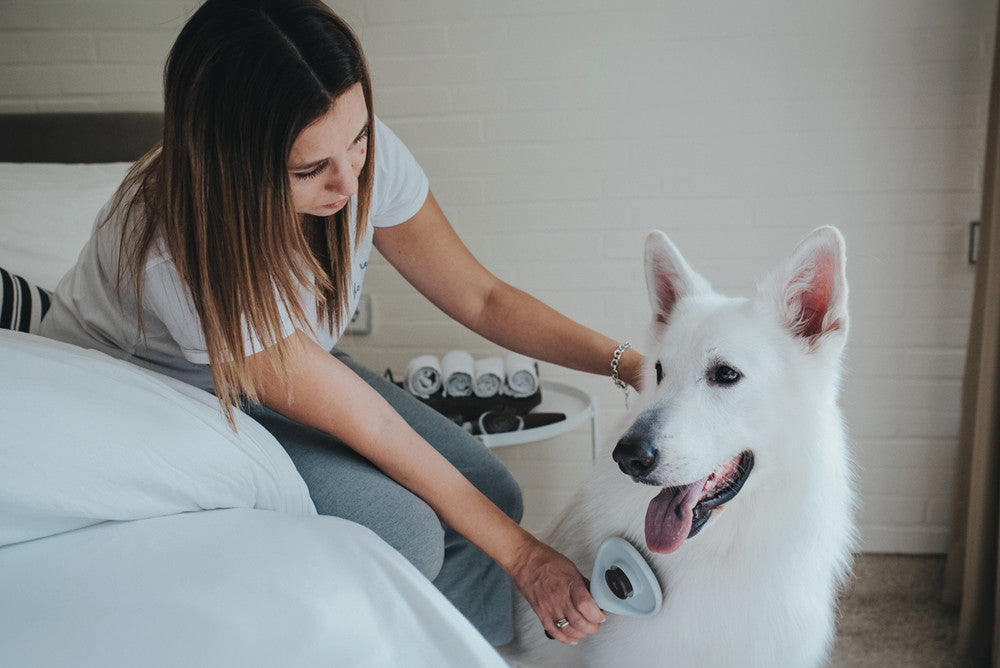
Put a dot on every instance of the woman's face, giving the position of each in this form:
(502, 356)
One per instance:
(328, 155)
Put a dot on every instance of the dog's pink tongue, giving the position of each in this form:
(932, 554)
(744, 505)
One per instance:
(668, 518)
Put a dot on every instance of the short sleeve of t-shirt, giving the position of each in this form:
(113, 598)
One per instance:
(400, 186)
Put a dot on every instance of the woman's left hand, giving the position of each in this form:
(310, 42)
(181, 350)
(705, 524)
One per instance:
(557, 592)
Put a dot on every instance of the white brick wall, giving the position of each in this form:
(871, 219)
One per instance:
(557, 133)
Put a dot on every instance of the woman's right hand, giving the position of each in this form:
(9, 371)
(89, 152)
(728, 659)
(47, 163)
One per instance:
(556, 590)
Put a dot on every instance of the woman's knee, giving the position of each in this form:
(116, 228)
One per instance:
(492, 477)
(407, 524)
(402, 520)
(418, 535)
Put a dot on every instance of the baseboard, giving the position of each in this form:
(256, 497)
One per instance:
(903, 540)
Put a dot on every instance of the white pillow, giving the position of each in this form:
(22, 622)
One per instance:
(47, 212)
(87, 438)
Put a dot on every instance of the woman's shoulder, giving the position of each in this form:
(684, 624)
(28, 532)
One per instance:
(401, 185)
(390, 152)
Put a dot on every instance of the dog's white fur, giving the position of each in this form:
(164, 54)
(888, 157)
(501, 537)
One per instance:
(758, 585)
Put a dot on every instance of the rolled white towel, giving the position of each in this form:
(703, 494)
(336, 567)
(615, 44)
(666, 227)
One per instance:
(522, 375)
(423, 376)
(488, 378)
(457, 368)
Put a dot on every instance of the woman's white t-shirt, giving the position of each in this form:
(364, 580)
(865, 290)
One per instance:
(87, 309)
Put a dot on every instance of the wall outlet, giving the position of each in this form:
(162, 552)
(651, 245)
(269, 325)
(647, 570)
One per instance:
(361, 321)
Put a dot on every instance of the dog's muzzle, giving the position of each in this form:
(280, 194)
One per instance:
(678, 512)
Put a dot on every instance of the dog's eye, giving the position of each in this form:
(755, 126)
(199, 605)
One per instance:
(724, 375)
(659, 372)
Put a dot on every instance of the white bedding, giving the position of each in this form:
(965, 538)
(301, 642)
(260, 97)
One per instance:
(88, 438)
(137, 530)
(226, 588)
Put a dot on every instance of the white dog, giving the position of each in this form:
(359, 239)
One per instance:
(738, 408)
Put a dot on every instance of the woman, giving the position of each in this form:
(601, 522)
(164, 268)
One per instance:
(233, 254)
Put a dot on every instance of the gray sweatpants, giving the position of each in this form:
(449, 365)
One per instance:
(344, 484)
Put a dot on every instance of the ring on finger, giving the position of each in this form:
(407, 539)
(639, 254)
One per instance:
(561, 623)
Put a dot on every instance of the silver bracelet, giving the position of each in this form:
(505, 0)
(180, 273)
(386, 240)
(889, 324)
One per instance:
(615, 377)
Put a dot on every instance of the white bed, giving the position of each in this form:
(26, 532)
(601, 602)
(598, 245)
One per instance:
(136, 529)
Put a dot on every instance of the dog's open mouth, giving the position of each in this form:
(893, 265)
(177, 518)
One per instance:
(679, 513)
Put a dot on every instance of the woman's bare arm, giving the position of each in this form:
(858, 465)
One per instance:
(430, 255)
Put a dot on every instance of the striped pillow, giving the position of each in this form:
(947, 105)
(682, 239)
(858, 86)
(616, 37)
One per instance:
(22, 304)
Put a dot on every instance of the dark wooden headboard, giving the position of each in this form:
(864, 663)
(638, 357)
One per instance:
(78, 137)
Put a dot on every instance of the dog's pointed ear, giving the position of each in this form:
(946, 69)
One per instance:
(669, 277)
(809, 290)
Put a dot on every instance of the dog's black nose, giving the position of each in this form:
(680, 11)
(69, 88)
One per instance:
(636, 456)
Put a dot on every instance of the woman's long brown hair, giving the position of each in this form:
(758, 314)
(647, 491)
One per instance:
(243, 79)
